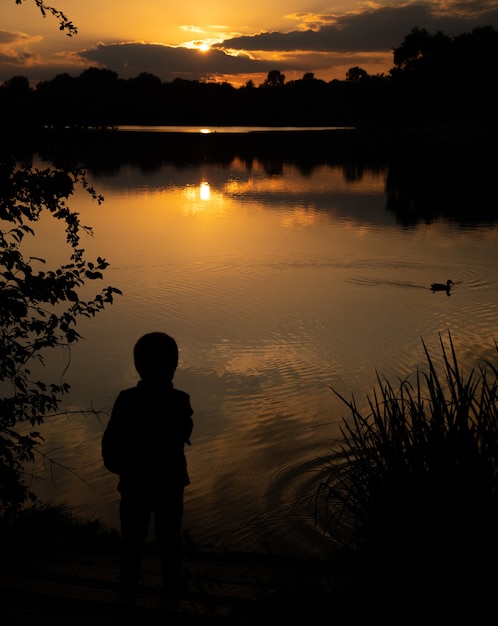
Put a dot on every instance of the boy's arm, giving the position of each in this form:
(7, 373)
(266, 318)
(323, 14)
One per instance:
(189, 423)
(112, 440)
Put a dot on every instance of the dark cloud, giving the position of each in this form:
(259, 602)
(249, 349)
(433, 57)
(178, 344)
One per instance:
(6, 37)
(16, 61)
(34, 72)
(11, 60)
(166, 62)
(374, 30)
(9, 37)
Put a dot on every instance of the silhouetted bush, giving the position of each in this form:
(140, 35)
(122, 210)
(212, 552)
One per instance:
(414, 483)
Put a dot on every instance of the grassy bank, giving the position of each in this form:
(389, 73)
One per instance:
(50, 529)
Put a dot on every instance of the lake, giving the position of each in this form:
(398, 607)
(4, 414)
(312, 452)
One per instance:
(280, 276)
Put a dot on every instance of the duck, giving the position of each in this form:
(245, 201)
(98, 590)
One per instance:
(441, 286)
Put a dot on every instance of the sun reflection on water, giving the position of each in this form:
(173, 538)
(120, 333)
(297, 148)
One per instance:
(205, 191)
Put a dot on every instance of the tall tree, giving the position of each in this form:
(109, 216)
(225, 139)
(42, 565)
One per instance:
(275, 78)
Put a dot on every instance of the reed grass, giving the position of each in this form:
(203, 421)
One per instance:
(417, 476)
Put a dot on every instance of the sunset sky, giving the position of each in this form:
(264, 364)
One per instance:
(222, 39)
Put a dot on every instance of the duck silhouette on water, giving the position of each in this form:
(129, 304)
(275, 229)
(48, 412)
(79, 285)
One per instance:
(442, 287)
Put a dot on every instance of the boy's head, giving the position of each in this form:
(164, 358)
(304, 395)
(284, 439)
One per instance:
(156, 356)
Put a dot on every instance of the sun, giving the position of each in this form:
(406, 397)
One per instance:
(204, 47)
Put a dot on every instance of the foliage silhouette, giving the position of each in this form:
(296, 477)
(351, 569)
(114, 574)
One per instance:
(40, 306)
(415, 480)
(64, 23)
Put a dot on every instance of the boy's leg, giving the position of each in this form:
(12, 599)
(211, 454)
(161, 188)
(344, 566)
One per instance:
(168, 515)
(135, 517)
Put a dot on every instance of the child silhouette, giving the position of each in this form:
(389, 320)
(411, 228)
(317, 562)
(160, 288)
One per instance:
(144, 444)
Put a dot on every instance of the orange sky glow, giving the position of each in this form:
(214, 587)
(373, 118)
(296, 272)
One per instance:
(221, 41)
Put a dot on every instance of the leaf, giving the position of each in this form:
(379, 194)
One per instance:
(71, 295)
(20, 384)
(93, 275)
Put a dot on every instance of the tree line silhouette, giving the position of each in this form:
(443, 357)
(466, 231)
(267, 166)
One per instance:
(436, 81)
